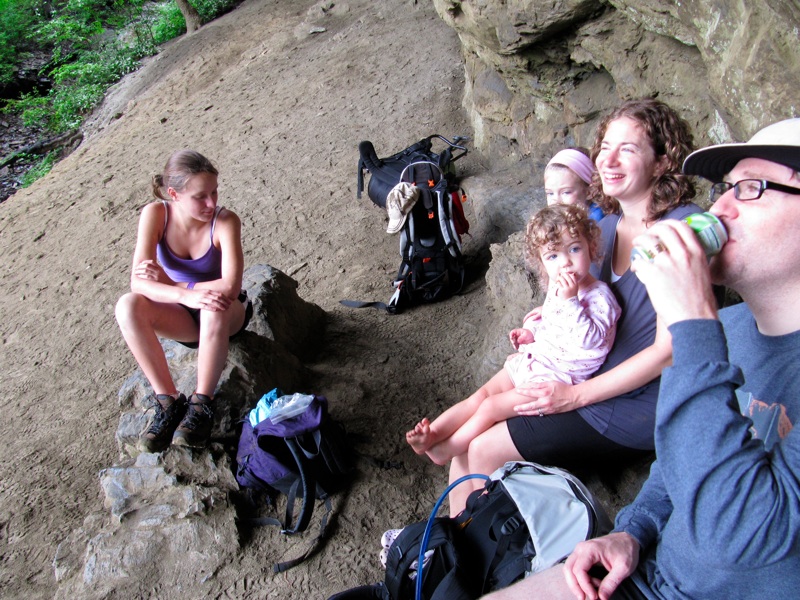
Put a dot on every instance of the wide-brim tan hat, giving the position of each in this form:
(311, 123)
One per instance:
(778, 143)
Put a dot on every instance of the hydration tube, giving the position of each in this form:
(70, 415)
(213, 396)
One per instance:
(429, 526)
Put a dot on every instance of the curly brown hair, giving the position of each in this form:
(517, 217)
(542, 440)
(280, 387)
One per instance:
(179, 168)
(671, 137)
(545, 229)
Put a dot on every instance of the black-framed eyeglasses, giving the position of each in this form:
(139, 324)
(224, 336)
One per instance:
(749, 189)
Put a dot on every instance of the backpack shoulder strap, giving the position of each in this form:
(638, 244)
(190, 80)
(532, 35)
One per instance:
(307, 485)
(315, 544)
(394, 306)
(311, 491)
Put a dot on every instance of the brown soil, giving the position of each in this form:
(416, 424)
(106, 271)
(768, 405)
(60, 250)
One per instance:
(281, 111)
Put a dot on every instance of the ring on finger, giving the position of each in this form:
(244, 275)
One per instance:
(541, 414)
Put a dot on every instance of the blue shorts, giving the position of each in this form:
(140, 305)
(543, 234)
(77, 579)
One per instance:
(195, 312)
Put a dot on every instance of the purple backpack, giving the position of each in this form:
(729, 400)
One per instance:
(306, 456)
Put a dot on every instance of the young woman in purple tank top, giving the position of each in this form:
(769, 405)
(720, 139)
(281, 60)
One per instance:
(185, 285)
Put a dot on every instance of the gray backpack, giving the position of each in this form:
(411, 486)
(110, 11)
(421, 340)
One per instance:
(527, 518)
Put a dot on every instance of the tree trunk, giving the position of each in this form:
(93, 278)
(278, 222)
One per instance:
(190, 15)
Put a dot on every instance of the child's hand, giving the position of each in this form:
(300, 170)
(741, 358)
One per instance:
(520, 337)
(534, 315)
(567, 285)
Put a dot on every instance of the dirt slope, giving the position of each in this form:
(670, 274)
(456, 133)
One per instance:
(281, 112)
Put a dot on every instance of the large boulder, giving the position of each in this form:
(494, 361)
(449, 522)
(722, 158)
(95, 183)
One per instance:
(169, 516)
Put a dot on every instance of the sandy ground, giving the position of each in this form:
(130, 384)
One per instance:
(281, 112)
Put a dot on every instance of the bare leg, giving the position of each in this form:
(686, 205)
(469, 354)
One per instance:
(547, 585)
(487, 453)
(424, 435)
(212, 353)
(141, 321)
(459, 467)
(493, 409)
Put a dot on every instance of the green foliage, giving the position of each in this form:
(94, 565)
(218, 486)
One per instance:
(17, 17)
(211, 9)
(168, 23)
(78, 87)
(34, 109)
(7, 59)
(91, 43)
(39, 170)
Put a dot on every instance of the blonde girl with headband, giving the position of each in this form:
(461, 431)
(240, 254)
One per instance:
(567, 178)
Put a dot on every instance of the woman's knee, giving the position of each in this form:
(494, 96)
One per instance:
(491, 450)
(129, 307)
(476, 454)
(222, 323)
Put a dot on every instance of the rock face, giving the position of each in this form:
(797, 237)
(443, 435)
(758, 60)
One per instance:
(169, 515)
(539, 75)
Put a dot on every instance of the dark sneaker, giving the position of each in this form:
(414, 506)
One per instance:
(158, 435)
(195, 429)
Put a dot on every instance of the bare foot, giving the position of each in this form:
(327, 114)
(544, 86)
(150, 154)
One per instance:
(420, 438)
(439, 453)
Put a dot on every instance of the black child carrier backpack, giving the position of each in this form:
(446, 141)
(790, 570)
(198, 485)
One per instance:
(432, 266)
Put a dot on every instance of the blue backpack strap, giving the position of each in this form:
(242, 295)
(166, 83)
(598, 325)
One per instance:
(315, 544)
(308, 486)
(363, 304)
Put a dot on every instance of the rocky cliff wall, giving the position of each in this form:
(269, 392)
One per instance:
(540, 73)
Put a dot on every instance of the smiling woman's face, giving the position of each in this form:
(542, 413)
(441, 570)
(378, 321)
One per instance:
(626, 162)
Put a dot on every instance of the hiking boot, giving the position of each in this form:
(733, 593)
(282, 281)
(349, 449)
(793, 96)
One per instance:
(158, 435)
(195, 428)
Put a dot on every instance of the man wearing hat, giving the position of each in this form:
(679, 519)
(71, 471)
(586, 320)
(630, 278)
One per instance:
(719, 516)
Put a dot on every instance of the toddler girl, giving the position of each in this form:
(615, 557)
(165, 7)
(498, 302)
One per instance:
(566, 340)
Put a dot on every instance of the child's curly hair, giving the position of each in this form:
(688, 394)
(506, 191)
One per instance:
(545, 228)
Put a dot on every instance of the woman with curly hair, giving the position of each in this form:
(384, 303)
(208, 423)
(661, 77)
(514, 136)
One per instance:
(638, 151)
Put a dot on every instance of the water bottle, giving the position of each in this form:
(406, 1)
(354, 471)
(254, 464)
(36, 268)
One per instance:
(710, 233)
(286, 407)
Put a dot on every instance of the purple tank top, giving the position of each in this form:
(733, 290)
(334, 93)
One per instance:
(206, 268)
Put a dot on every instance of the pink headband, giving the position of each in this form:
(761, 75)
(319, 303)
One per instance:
(576, 161)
